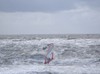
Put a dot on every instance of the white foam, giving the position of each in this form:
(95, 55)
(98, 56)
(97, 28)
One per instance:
(79, 42)
(22, 69)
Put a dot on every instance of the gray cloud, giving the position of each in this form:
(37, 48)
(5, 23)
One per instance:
(31, 17)
(43, 5)
(79, 20)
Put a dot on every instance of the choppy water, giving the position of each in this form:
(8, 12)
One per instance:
(76, 51)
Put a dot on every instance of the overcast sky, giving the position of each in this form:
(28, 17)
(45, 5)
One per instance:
(49, 16)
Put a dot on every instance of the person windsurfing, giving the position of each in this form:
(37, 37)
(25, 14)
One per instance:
(49, 53)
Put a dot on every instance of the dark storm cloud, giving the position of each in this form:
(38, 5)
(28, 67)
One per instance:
(93, 3)
(43, 5)
(35, 5)
(31, 17)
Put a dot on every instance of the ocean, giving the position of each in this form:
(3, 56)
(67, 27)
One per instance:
(73, 54)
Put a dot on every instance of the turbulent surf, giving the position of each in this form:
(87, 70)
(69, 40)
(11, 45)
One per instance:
(72, 54)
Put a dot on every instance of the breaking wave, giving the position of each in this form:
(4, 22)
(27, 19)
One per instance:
(67, 52)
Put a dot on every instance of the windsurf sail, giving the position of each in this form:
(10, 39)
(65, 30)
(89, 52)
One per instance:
(49, 53)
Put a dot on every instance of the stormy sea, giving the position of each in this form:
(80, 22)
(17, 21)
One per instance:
(73, 54)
